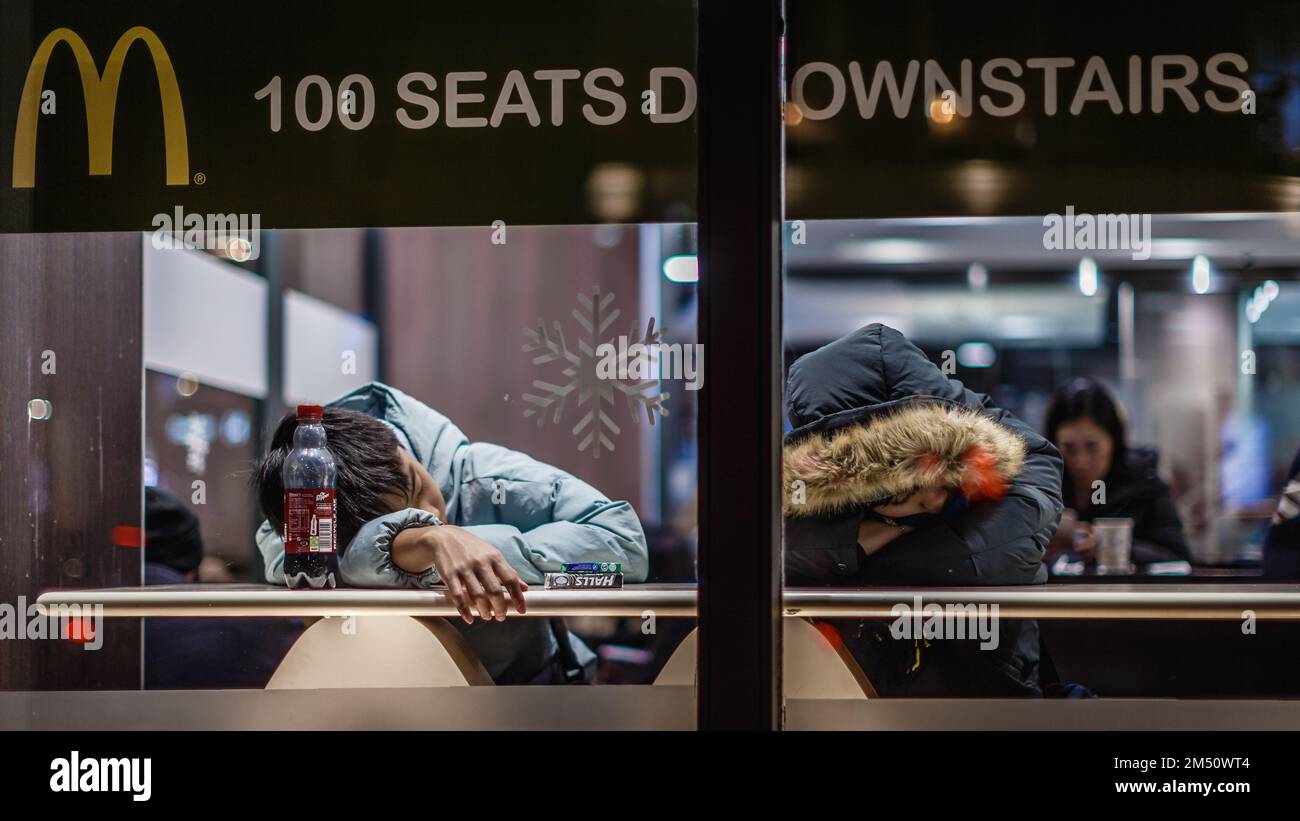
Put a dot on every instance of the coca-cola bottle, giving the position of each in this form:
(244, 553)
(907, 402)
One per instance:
(310, 560)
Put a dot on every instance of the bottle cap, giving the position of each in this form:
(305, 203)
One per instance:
(311, 412)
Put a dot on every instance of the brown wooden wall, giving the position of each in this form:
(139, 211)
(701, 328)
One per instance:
(66, 482)
(455, 309)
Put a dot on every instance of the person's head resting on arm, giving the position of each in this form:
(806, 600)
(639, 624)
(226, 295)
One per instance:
(909, 468)
(376, 475)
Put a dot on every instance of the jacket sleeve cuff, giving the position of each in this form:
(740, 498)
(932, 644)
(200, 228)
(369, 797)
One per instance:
(368, 561)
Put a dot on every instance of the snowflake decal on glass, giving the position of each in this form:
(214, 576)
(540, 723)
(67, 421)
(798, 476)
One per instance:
(597, 395)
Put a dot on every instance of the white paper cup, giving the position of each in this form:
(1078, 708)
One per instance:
(1114, 546)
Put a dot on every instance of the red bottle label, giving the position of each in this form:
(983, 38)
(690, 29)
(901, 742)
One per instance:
(309, 521)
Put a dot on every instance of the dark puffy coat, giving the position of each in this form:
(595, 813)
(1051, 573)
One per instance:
(868, 406)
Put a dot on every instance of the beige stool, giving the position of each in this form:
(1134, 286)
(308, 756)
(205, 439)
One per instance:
(814, 667)
(379, 651)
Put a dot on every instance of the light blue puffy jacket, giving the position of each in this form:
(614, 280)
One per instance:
(547, 518)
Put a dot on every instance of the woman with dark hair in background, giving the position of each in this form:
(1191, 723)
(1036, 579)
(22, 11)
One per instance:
(1085, 424)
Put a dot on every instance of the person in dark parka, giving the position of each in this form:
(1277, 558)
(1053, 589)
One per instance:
(895, 474)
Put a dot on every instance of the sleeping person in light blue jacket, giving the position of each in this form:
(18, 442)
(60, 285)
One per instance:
(419, 505)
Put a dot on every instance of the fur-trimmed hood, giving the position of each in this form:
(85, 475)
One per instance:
(899, 451)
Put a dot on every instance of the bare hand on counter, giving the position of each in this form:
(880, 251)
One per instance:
(474, 571)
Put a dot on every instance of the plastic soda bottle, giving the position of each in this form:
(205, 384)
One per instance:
(310, 558)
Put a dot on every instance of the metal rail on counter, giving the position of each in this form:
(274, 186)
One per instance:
(1051, 601)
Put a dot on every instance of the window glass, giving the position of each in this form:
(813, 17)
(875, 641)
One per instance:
(467, 234)
(1040, 305)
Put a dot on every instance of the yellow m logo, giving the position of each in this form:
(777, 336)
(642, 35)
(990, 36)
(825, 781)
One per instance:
(101, 105)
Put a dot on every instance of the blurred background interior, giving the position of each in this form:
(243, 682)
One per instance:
(1200, 343)
(439, 313)
(1208, 371)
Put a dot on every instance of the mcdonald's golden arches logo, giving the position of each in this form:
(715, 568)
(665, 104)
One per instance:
(100, 92)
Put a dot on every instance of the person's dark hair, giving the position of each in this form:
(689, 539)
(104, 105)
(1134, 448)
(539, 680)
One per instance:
(369, 466)
(1086, 398)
